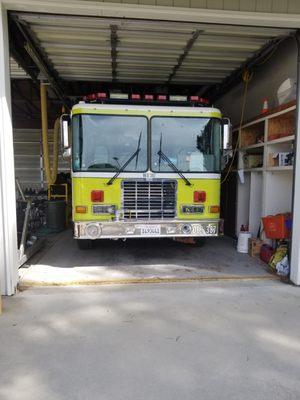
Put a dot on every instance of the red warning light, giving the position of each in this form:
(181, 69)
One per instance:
(135, 97)
(149, 97)
(101, 95)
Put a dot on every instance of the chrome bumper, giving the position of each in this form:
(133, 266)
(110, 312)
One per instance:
(147, 229)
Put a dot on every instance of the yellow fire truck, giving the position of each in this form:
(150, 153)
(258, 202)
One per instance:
(144, 170)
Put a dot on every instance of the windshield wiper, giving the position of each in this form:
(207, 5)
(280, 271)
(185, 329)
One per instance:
(160, 146)
(163, 156)
(121, 169)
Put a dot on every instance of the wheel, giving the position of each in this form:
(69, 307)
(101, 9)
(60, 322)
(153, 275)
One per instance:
(84, 244)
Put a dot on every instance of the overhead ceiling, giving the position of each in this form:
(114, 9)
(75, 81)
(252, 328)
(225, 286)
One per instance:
(123, 50)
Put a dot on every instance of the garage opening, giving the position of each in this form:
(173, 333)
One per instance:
(153, 64)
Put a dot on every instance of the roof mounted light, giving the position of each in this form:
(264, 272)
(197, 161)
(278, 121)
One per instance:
(101, 95)
(162, 97)
(91, 97)
(197, 99)
(178, 98)
(136, 97)
(204, 101)
(149, 97)
(119, 96)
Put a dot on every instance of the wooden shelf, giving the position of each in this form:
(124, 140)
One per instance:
(260, 169)
(252, 146)
(281, 168)
(285, 139)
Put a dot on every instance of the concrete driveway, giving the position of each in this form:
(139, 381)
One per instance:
(217, 340)
(61, 262)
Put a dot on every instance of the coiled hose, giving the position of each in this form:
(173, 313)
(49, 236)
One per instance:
(51, 173)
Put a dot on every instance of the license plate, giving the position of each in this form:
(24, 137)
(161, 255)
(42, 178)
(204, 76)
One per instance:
(150, 230)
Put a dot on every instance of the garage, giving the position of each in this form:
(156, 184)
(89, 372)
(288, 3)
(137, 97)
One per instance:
(86, 48)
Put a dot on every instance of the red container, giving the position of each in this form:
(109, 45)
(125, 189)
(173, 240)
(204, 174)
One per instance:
(275, 226)
(266, 253)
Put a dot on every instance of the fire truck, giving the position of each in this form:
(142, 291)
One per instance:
(144, 167)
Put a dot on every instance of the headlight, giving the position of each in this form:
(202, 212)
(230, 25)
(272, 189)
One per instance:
(93, 231)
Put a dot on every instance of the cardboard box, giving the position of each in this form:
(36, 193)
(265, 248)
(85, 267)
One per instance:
(254, 247)
(253, 161)
(279, 159)
(273, 160)
(248, 138)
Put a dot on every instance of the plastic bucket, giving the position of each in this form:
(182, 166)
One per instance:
(243, 242)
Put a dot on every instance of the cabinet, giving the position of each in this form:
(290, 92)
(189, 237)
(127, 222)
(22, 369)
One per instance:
(265, 167)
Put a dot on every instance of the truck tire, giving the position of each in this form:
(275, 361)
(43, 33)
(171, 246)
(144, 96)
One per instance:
(84, 244)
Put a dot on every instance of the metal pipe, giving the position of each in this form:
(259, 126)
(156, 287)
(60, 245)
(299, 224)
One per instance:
(51, 175)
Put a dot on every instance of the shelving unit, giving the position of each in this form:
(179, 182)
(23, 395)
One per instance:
(264, 185)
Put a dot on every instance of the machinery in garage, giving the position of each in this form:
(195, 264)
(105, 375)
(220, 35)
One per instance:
(145, 170)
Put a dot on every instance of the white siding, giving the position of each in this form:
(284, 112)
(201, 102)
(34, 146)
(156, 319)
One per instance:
(27, 150)
(268, 6)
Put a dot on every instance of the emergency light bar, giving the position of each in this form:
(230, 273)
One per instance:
(146, 98)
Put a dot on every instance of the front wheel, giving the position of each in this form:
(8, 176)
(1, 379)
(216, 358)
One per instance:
(84, 244)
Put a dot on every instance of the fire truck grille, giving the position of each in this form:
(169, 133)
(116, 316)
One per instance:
(149, 200)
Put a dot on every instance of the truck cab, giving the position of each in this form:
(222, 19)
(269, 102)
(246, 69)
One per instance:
(144, 171)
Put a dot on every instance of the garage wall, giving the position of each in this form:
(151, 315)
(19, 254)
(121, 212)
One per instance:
(28, 150)
(270, 6)
(264, 84)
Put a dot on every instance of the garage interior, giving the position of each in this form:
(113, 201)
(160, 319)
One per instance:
(80, 55)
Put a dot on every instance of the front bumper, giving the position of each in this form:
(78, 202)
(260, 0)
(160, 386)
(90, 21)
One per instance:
(147, 229)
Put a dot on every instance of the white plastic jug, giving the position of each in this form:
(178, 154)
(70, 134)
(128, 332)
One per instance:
(243, 242)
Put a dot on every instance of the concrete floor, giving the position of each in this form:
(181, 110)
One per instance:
(61, 262)
(212, 340)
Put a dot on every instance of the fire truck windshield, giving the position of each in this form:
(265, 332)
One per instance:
(106, 142)
(191, 144)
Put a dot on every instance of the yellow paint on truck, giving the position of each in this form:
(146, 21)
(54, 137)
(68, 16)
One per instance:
(82, 188)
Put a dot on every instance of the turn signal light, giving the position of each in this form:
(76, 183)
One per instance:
(81, 209)
(97, 196)
(214, 209)
(199, 197)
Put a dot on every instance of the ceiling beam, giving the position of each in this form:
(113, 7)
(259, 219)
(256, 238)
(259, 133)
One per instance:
(33, 48)
(113, 43)
(185, 53)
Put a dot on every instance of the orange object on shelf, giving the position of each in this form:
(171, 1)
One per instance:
(265, 108)
(276, 227)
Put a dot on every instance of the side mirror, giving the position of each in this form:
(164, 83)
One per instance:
(227, 131)
(64, 131)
